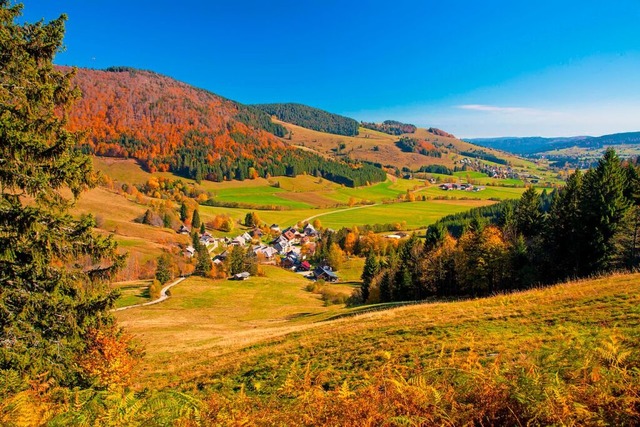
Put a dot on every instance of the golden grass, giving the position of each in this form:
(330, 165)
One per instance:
(222, 330)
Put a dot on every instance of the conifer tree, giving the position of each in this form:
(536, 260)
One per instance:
(195, 220)
(203, 261)
(371, 269)
(604, 207)
(528, 215)
(163, 274)
(183, 212)
(53, 287)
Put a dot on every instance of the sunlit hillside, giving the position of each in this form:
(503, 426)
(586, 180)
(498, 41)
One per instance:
(566, 354)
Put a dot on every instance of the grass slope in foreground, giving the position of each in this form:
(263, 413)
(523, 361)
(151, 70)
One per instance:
(567, 354)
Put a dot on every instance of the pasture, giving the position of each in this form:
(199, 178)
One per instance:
(413, 214)
(208, 318)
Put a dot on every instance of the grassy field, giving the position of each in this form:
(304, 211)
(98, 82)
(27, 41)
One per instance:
(414, 214)
(132, 292)
(212, 317)
(567, 353)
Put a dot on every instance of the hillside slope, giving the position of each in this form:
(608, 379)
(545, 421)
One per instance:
(384, 149)
(170, 126)
(567, 354)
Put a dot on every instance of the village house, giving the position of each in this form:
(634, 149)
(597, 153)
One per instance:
(267, 252)
(256, 233)
(288, 262)
(289, 234)
(184, 229)
(282, 245)
(324, 273)
(190, 251)
(310, 231)
(304, 266)
(275, 228)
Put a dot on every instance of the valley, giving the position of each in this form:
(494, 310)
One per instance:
(170, 256)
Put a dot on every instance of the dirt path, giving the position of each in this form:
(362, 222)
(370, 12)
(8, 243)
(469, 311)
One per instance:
(163, 296)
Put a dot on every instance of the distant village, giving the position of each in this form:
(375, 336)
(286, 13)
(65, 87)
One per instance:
(291, 249)
(498, 172)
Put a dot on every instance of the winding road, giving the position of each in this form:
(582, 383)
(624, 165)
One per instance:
(163, 296)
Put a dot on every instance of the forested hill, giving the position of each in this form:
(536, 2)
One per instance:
(311, 118)
(170, 126)
(537, 144)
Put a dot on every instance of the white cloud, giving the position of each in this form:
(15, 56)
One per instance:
(497, 109)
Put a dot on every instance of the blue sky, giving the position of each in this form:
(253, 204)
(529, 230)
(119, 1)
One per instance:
(473, 68)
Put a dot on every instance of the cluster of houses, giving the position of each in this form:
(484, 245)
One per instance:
(499, 172)
(462, 187)
(289, 249)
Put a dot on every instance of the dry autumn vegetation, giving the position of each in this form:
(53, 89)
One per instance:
(276, 349)
(565, 355)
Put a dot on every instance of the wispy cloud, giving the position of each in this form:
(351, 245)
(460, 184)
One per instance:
(496, 109)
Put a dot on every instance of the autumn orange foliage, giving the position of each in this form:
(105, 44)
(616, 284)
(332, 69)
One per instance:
(144, 115)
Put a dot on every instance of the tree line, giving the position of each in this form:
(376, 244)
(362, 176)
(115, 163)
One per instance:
(392, 127)
(412, 145)
(191, 161)
(311, 118)
(591, 226)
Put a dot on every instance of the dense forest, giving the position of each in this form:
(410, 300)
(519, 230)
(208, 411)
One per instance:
(392, 127)
(591, 226)
(311, 118)
(436, 169)
(170, 126)
(412, 145)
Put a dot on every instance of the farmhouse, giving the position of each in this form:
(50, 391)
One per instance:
(289, 234)
(266, 251)
(190, 251)
(304, 266)
(325, 274)
(183, 229)
(310, 231)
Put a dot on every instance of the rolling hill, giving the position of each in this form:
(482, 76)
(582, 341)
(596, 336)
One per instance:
(566, 355)
(170, 126)
(431, 147)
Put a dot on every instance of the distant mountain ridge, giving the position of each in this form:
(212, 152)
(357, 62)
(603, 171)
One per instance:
(536, 144)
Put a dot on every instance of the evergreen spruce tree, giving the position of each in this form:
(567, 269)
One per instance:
(163, 274)
(248, 219)
(386, 286)
(183, 212)
(565, 238)
(371, 269)
(603, 206)
(203, 261)
(236, 260)
(54, 293)
(195, 220)
(528, 216)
